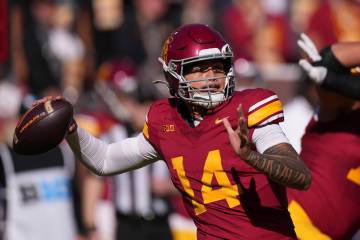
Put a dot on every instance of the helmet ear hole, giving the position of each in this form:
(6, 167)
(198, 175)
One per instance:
(227, 65)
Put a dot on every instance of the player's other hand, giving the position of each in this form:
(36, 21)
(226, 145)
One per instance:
(315, 71)
(73, 125)
(239, 138)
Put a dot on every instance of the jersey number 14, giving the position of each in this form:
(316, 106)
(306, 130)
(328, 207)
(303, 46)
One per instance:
(212, 168)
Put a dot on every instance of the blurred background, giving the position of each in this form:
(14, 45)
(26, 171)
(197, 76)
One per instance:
(101, 55)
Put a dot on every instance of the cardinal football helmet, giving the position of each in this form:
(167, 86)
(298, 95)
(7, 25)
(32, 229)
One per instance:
(190, 44)
(117, 77)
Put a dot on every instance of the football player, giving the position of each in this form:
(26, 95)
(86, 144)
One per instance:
(330, 209)
(225, 151)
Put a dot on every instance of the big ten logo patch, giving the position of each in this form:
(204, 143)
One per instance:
(49, 190)
(168, 128)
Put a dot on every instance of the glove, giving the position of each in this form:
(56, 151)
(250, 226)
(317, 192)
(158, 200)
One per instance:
(315, 71)
(327, 71)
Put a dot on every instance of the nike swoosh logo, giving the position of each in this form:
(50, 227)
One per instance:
(218, 120)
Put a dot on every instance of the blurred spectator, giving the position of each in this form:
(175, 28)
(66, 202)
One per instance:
(335, 21)
(37, 192)
(117, 85)
(247, 75)
(68, 49)
(46, 54)
(140, 196)
(154, 27)
(275, 7)
(198, 11)
(99, 25)
(260, 36)
(136, 32)
(300, 12)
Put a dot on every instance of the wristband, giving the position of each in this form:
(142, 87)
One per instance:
(346, 84)
(330, 61)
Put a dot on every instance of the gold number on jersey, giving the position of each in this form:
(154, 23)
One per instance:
(179, 167)
(212, 168)
(354, 175)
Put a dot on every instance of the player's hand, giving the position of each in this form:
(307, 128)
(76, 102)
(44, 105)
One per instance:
(316, 73)
(73, 125)
(239, 138)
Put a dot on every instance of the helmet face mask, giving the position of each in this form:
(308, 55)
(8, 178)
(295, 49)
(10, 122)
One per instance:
(189, 45)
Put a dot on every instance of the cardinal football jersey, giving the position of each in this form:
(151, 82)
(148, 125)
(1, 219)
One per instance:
(227, 198)
(332, 204)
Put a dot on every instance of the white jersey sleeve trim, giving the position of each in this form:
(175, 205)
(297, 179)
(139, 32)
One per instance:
(268, 136)
(273, 118)
(118, 157)
(262, 102)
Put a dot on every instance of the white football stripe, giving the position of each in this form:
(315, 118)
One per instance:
(209, 51)
(266, 100)
(280, 115)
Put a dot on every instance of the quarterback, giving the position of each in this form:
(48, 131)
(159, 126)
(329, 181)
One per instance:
(225, 150)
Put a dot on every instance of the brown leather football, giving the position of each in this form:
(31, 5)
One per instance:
(42, 127)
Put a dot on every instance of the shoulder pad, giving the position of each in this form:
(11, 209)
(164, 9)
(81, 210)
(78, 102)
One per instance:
(263, 107)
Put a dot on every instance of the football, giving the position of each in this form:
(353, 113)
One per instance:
(42, 127)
